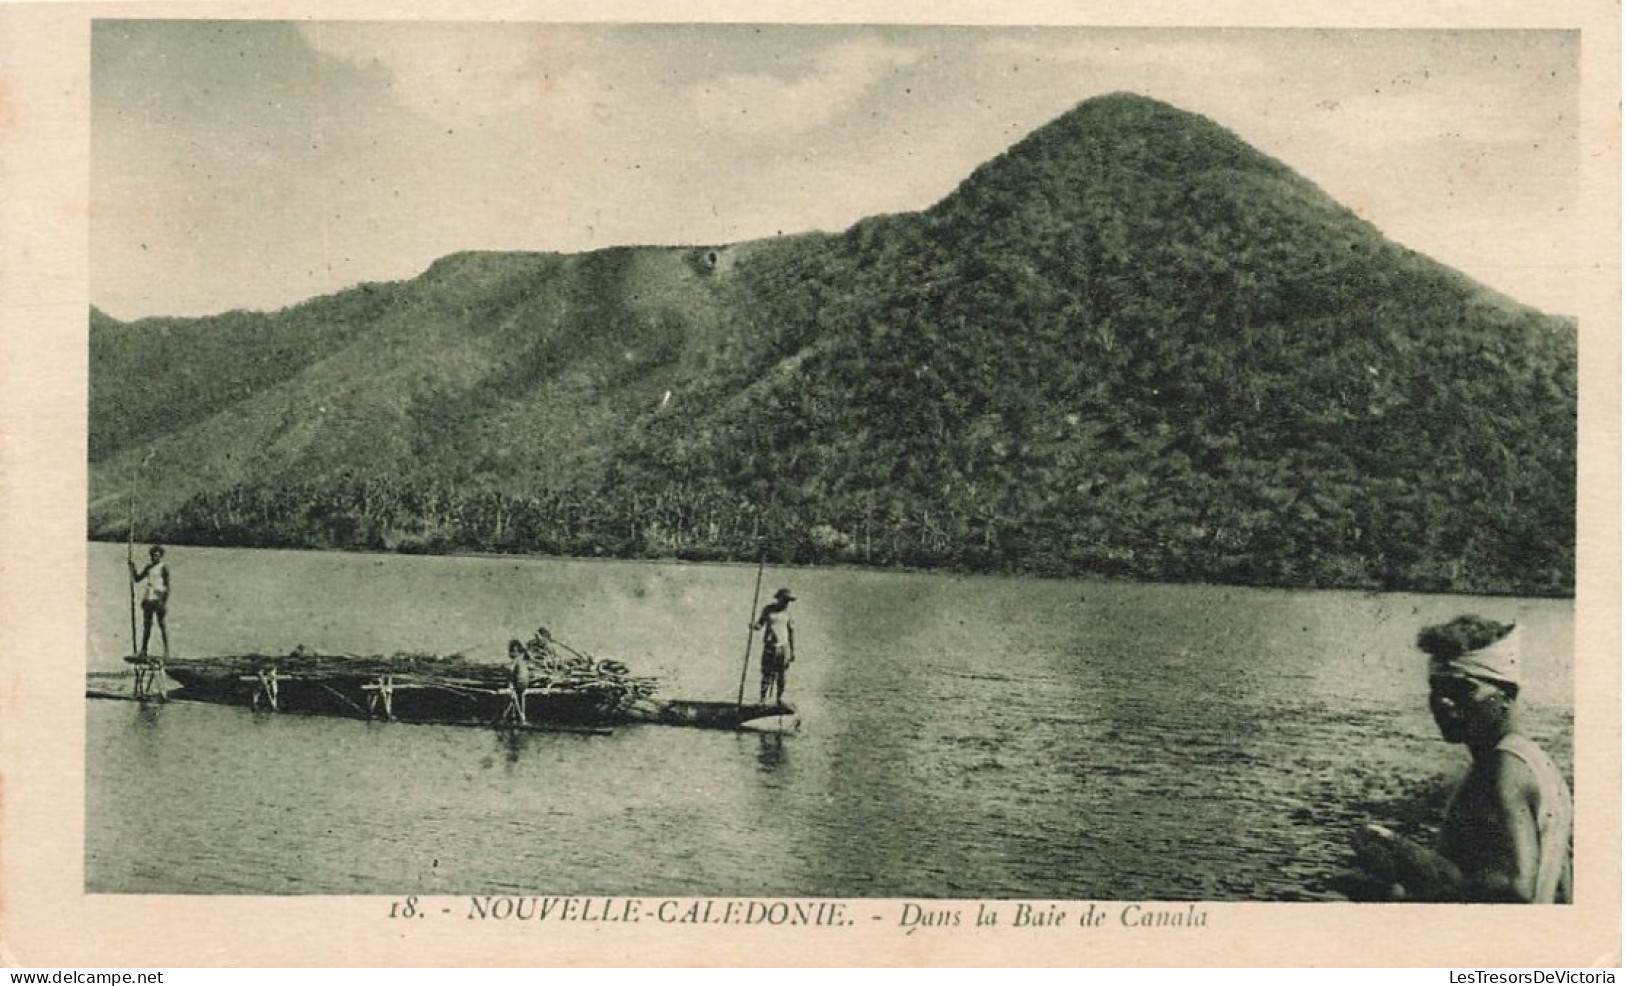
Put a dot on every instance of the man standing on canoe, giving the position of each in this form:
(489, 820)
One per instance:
(153, 583)
(778, 643)
(1506, 834)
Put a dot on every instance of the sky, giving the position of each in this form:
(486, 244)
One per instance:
(244, 164)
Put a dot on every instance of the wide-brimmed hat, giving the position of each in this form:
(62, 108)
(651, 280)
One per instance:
(784, 594)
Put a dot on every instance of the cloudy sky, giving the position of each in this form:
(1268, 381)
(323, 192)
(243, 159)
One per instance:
(254, 164)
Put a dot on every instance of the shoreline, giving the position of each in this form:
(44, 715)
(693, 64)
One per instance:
(1100, 578)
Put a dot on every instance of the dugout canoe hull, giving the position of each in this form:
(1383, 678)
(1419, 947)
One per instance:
(714, 715)
(449, 694)
(480, 699)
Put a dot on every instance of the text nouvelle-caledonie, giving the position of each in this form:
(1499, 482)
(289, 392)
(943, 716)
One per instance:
(828, 913)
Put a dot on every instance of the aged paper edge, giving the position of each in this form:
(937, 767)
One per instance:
(46, 919)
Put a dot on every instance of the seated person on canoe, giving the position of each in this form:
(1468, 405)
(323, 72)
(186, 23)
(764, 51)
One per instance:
(1506, 833)
(550, 656)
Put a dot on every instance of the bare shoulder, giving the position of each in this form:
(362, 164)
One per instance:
(1514, 778)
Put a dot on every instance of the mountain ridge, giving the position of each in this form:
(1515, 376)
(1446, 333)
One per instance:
(1129, 344)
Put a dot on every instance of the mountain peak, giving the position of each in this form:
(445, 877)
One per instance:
(1131, 117)
(1126, 103)
(1119, 143)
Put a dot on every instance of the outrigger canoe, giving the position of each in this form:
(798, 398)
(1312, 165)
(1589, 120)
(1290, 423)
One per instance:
(585, 694)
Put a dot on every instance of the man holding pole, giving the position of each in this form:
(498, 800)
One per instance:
(778, 643)
(153, 584)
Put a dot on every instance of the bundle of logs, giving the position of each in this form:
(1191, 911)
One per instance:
(545, 662)
(543, 676)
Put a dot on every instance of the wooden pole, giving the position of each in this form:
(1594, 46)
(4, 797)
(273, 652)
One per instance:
(750, 631)
(129, 556)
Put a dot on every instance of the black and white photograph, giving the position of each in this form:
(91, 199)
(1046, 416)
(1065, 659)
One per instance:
(915, 480)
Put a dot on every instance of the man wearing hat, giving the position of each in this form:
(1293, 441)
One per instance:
(1506, 834)
(778, 643)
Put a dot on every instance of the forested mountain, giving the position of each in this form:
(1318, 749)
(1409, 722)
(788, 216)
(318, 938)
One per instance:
(1129, 345)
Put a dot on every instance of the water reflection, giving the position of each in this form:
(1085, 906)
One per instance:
(514, 742)
(149, 741)
(770, 752)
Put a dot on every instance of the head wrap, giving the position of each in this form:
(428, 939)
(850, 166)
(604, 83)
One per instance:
(1499, 661)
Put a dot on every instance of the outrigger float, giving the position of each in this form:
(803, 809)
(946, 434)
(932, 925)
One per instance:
(544, 691)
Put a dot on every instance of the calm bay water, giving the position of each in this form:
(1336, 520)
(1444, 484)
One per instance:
(960, 736)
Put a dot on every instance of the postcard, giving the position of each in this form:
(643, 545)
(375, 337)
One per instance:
(539, 485)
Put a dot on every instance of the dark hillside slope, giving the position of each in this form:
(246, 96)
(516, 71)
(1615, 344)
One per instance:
(1131, 344)
(1134, 344)
(515, 370)
(160, 374)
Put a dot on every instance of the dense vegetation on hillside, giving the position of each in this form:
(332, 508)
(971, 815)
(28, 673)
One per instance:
(175, 372)
(1130, 345)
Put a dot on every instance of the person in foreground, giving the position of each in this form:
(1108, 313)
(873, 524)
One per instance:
(1506, 833)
